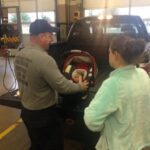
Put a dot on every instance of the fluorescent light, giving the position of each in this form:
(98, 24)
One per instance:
(101, 17)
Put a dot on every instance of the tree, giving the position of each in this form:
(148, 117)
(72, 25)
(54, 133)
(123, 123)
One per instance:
(24, 18)
(14, 18)
(46, 18)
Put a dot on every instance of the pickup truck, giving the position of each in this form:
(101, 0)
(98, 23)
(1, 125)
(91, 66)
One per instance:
(86, 48)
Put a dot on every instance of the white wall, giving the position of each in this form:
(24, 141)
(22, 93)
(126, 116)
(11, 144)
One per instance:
(89, 4)
(140, 2)
(47, 5)
(93, 4)
(31, 5)
(117, 3)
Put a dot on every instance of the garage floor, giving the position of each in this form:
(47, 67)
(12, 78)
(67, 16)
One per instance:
(13, 134)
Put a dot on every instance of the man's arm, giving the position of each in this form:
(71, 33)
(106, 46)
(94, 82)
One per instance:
(56, 79)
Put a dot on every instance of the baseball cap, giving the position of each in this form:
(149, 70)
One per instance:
(41, 26)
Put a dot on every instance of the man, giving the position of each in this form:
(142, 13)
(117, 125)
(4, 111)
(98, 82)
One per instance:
(39, 78)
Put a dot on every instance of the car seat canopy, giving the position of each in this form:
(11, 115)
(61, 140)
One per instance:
(79, 64)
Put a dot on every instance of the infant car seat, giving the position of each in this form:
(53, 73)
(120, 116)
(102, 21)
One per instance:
(80, 64)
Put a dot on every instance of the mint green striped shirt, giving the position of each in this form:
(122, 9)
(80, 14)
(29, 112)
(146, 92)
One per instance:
(120, 110)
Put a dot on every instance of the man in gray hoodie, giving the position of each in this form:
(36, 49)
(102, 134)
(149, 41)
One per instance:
(39, 80)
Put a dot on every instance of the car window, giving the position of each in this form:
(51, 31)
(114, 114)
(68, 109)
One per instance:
(91, 28)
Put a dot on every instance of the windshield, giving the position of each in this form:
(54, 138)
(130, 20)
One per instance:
(89, 28)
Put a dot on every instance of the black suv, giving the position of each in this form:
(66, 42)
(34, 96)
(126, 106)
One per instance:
(87, 48)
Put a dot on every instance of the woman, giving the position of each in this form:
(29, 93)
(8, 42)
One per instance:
(121, 107)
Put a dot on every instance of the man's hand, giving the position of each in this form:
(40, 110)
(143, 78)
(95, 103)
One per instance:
(83, 84)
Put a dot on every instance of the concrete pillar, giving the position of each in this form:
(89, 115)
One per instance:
(67, 11)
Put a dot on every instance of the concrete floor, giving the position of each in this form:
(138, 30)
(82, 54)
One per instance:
(13, 134)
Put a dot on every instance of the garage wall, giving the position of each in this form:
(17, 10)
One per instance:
(89, 4)
(140, 2)
(117, 3)
(27, 6)
(45, 5)
(31, 5)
